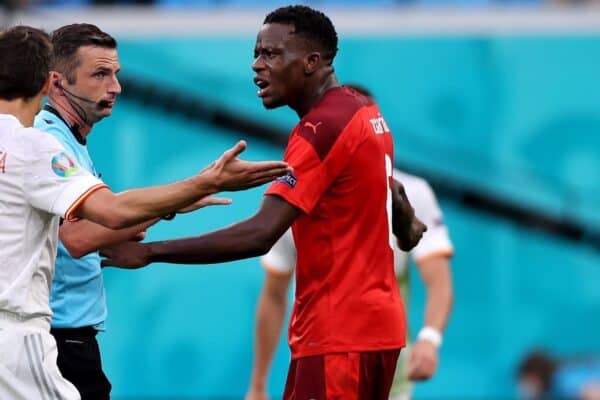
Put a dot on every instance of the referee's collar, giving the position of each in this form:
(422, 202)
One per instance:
(74, 129)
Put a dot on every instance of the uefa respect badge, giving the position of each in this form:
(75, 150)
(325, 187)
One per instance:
(63, 165)
(289, 179)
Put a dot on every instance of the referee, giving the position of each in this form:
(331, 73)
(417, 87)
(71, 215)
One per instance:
(83, 90)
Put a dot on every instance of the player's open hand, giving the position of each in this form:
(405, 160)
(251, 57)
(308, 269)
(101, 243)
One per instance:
(254, 394)
(127, 255)
(231, 174)
(205, 202)
(422, 361)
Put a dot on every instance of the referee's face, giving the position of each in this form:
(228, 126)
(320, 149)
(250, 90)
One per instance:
(96, 81)
(278, 65)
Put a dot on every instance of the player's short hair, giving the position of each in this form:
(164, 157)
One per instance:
(539, 365)
(69, 38)
(26, 55)
(360, 89)
(312, 25)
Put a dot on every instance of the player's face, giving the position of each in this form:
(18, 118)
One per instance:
(279, 65)
(96, 80)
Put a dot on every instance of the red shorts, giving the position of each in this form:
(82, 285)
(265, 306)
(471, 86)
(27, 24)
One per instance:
(342, 376)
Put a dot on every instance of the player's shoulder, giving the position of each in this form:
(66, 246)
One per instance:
(322, 125)
(35, 141)
(337, 107)
(51, 124)
(44, 119)
(26, 143)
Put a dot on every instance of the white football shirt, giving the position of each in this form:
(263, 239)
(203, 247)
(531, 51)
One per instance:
(39, 183)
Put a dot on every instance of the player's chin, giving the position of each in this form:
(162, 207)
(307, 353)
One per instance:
(270, 102)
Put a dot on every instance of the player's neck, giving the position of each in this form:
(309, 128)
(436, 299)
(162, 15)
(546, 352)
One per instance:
(21, 109)
(65, 109)
(314, 94)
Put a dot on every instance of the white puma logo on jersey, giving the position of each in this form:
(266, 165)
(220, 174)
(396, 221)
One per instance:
(313, 126)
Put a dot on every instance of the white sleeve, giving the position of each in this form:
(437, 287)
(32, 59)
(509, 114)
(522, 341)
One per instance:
(53, 181)
(436, 239)
(282, 256)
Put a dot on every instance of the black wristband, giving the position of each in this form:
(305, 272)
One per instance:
(169, 217)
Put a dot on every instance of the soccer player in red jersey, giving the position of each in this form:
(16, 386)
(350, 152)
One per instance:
(348, 324)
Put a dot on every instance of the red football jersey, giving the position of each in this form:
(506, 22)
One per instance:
(347, 298)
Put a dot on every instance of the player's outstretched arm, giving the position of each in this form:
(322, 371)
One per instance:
(249, 238)
(270, 314)
(132, 207)
(407, 228)
(82, 237)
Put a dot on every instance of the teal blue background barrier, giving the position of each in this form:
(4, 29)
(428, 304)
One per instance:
(516, 116)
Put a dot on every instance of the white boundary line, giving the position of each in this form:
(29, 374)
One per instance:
(149, 22)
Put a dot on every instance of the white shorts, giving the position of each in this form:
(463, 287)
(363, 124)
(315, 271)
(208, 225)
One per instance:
(28, 367)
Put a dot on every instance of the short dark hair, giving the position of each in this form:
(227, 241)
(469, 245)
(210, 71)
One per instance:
(25, 62)
(539, 365)
(311, 24)
(69, 38)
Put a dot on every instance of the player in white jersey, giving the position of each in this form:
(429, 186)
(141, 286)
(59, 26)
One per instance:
(39, 184)
(432, 256)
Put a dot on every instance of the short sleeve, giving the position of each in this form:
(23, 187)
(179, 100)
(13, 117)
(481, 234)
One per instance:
(53, 181)
(282, 256)
(436, 240)
(306, 184)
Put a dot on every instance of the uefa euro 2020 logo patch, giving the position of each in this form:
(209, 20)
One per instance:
(63, 165)
(289, 179)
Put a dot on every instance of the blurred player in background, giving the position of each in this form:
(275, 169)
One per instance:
(432, 256)
(542, 377)
(348, 325)
(40, 184)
